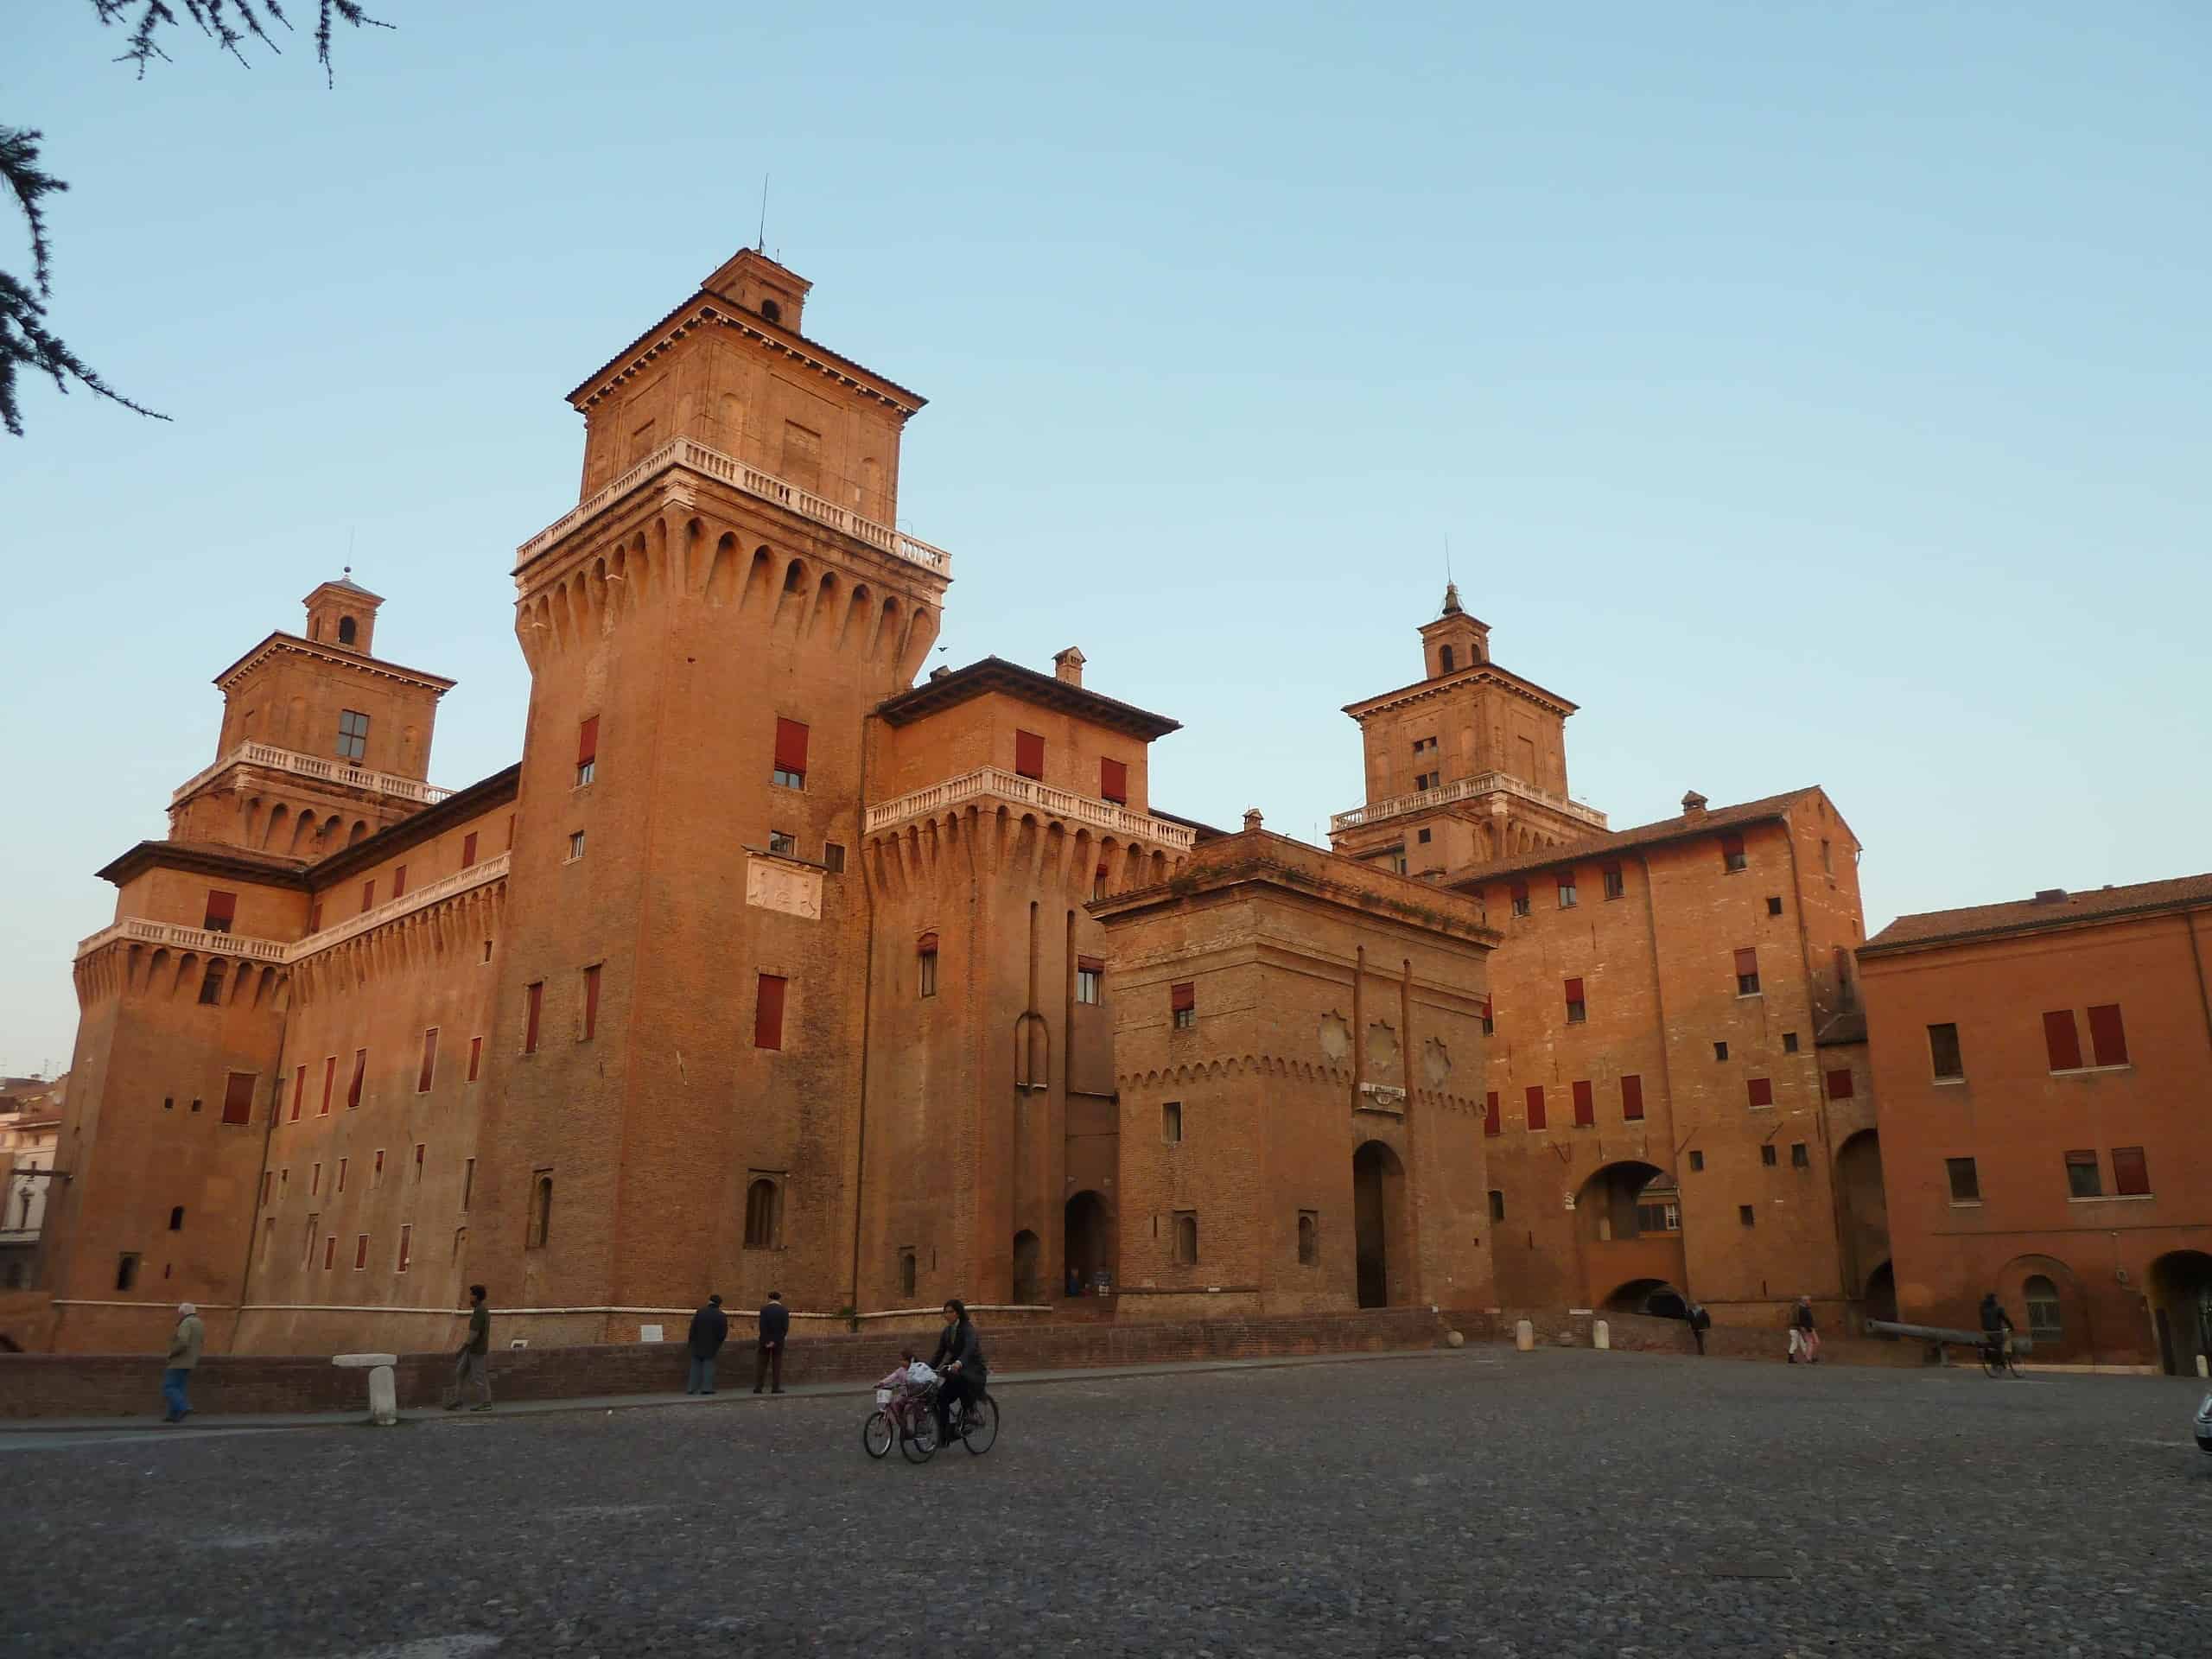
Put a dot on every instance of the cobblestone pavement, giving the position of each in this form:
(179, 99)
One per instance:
(1481, 1503)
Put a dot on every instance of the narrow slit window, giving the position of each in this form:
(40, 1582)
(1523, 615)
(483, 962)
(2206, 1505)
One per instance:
(925, 965)
(360, 1071)
(1535, 1105)
(430, 1067)
(591, 1003)
(1493, 1117)
(533, 1005)
(1171, 1121)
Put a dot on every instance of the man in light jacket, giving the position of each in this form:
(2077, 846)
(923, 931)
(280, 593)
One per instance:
(185, 1343)
(710, 1330)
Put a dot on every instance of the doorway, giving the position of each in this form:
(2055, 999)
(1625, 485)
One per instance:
(1026, 1288)
(1090, 1243)
(1378, 1197)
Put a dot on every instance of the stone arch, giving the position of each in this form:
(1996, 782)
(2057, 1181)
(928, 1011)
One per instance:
(825, 602)
(886, 647)
(1382, 1233)
(921, 634)
(278, 826)
(859, 611)
(722, 570)
(359, 832)
(2180, 1287)
(1655, 1297)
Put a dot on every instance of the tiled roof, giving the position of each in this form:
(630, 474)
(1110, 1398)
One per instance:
(2061, 909)
(943, 690)
(208, 858)
(1849, 1027)
(1643, 835)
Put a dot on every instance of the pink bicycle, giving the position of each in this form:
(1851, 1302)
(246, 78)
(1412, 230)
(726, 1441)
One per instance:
(909, 1417)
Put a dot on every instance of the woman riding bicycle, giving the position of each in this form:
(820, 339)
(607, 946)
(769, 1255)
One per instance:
(959, 1362)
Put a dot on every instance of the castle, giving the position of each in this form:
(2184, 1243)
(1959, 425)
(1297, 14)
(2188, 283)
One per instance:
(772, 965)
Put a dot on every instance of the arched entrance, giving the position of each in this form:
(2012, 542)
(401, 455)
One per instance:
(1090, 1243)
(1380, 1244)
(1863, 1214)
(1628, 1225)
(1026, 1288)
(2181, 1309)
(1653, 1296)
(1881, 1296)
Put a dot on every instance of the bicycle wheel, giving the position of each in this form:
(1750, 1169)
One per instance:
(918, 1443)
(877, 1433)
(1993, 1363)
(979, 1430)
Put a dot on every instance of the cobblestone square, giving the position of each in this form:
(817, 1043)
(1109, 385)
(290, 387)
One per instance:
(1480, 1502)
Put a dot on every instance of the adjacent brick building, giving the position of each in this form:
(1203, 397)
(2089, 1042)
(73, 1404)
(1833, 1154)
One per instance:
(2043, 1069)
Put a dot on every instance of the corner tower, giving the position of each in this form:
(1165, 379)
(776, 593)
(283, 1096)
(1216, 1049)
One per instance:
(675, 1044)
(1464, 764)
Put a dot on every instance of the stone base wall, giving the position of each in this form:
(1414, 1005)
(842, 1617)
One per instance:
(1558, 1327)
(100, 1385)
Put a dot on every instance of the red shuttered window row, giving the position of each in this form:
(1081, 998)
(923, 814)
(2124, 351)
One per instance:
(2062, 1039)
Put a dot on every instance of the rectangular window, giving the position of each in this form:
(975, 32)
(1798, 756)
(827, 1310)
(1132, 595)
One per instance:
(533, 1004)
(1170, 1121)
(330, 1078)
(353, 734)
(1720, 1051)
(307, 1246)
(782, 844)
(790, 769)
(222, 909)
(1585, 1106)
(1632, 1098)
(2108, 1039)
(1773, 906)
(1744, 1216)
(1697, 1162)
(475, 1056)
(1493, 1115)
(1789, 1042)
(376, 1170)
(1490, 1018)
(430, 1068)
(353, 1089)
(1496, 1204)
(1799, 1158)
(587, 751)
(1566, 891)
(2083, 1179)
(420, 1147)
(238, 1097)
(1114, 782)
(468, 1182)
(2130, 1176)
(1029, 754)
(1090, 980)
(1423, 781)
(2061, 1042)
(1520, 892)
(1422, 837)
(1944, 1057)
(1577, 1009)
(1732, 853)
(768, 1012)
(314, 1181)
(925, 965)
(833, 858)
(399, 882)
(1761, 1090)
(575, 845)
(360, 1252)
(591, 1001)
(1840, 1084)
(1183, 1004)
(469, 850)
(1747, 972)
(368, 895)
(1966, 1180)
(342, 1164)
(406, 1246)
(1535, 1099)
(1766, 1156)
(1615, 885)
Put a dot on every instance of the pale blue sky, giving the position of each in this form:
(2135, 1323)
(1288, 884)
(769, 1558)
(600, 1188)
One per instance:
(1814, 394)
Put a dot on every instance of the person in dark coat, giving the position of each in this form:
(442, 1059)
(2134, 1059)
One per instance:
(1701, 1322)
(710, 1330)
(959, 1361)
(775, 1327)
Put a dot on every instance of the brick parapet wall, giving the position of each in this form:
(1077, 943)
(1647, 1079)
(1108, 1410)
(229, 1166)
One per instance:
(106, 1385)
(1557, 1328)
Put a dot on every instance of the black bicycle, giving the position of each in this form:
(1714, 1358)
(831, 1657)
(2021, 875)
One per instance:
(1997, 1355)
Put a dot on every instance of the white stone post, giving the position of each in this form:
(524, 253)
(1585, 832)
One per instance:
(1524, 1336)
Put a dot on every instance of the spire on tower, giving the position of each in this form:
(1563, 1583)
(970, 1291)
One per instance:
(1451, 599)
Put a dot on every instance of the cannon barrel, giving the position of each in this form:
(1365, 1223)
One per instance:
(1942, 1333)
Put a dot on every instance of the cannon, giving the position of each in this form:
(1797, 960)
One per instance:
(1938, 1337)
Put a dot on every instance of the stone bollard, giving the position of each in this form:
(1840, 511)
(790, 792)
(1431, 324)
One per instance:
(1601, 1336)
(1524, 1336)
(383, 1384)
(1454, 1339)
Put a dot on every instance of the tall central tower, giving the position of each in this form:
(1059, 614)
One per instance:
(705, 631)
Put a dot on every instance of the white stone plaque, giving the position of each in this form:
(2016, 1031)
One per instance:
(791, 888)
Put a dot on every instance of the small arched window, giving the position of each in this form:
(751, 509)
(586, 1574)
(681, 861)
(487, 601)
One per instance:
(772, 311)
(211, 984)
(1187, 1240)
(1444, 659)
(541, 1212)
(345, 630)
(761, 1215)
(2044, 1323)
(906, 1273)
(1309, 1242)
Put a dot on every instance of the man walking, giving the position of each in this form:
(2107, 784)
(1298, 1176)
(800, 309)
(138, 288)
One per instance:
(710, 1330)
(184, 1356)
(468, 1363)
(1700, 1322)
(775, 1326)
(1804, 1336)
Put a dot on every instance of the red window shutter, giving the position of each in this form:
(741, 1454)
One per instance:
(1489, 1011)
(368, 895)
(469, 850)
(1564, 881)
(534, 997)
(330, 1078)
(1183, 996)
(1535, 1105)
(1747, 962)
(1092, 964)
(2130, 1175)
(768, 1012)
(1575, 990)
(1761, 1090)
(360, 1252)
(399, 882)
(360, 1070)
(1731, 846)
(591, 999)
(2061, 1040)
(299, 1090)
(926, 945)
(222, 910)
(1840, 1084)
(1029, 754)
(1631, 1097)
(238, 1097)
(1519, 890)
(2108, 1039)
(475, 1056)
(430, 1061)
(791, 747)
(588, 741)
(1493, 1115)
(1114, 781)
(1586, 1107)
(511, 832)
(315, 915)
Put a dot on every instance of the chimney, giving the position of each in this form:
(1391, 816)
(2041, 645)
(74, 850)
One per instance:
(2051, 896)
(1067, 667)
(1251, 818)
(1693, 806)
(939, 673)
